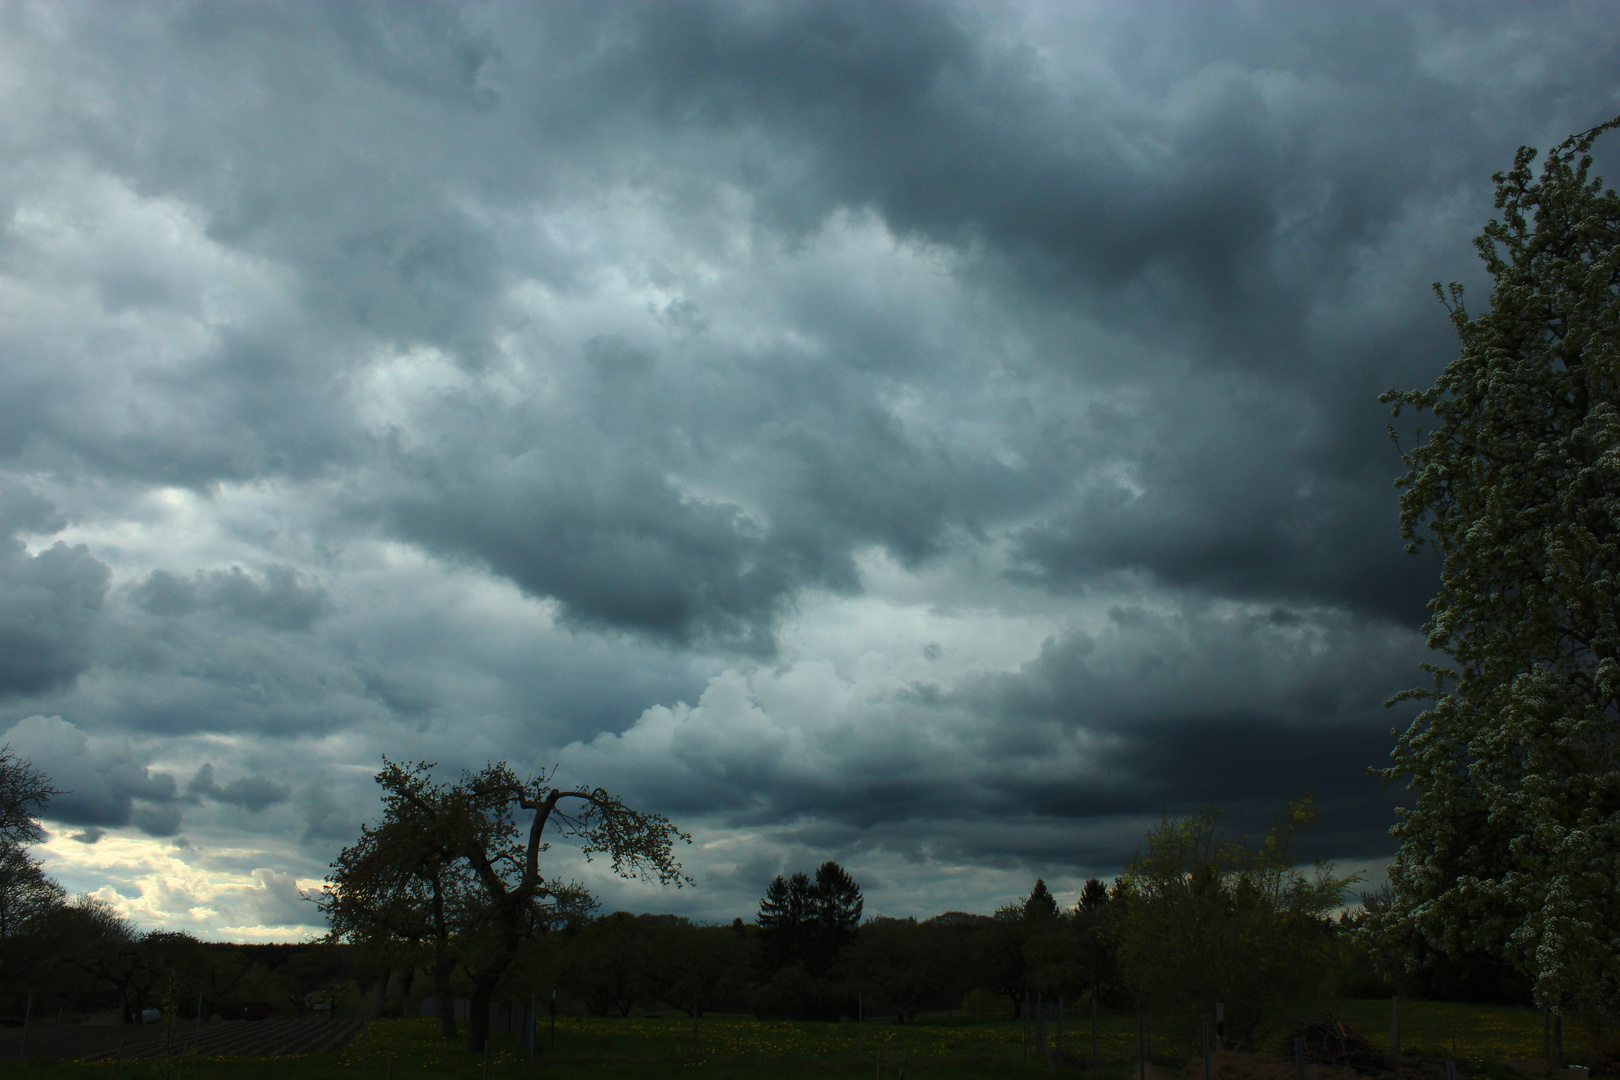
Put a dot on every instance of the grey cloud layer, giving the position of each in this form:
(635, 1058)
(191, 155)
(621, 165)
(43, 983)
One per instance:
(49, 601)
(1235, 180)
(523, 371)
(107, 782)
(283, 602)
(248, 792)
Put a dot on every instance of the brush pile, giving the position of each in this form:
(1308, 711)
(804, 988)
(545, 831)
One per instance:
(1329, 1041)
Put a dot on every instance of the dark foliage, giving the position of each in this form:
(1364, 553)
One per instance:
(807, 923)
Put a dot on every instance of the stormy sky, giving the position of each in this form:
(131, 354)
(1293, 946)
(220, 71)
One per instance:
(940, 438)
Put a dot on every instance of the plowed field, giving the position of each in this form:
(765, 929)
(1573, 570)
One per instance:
(228, 1038)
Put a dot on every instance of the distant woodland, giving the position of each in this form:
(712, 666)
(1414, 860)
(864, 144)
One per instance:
(1199, 915)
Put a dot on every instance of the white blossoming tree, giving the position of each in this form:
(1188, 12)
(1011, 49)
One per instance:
(1512, 845)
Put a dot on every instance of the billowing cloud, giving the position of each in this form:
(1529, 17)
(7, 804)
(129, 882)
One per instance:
(1122, 719)
(226, 890)
(928, 434)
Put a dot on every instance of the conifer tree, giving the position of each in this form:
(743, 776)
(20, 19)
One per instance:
(1040, 905)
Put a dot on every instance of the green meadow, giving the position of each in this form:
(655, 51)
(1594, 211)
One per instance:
(940, 1046)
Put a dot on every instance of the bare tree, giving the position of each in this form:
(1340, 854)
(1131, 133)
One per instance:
(27, 895)
(24, 791)
(93, 937)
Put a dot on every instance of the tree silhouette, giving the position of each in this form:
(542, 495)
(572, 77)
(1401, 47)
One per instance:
(1039, 905)
(469, 828)
(809, 922)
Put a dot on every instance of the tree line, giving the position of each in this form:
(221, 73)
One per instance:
(422, 908)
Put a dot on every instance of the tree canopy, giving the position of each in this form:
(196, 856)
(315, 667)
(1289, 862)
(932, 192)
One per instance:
(450, 860)
(1205, 916)
(27, 895)
(1513, 842)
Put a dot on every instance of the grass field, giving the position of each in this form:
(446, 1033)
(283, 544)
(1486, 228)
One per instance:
(1473, 1034)
(723, 1047)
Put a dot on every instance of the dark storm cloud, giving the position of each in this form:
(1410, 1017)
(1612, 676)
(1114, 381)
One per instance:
(1193, 161)
(1240, 496)
(1247, 765)
(1227, 168)
(587, 507)
(104, 783)
(622, 550)
(249, 792)
(1239, 710)
(50, 602)
(1217, 205)
(381, 256)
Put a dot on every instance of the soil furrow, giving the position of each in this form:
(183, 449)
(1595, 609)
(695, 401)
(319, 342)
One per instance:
(231, 1038)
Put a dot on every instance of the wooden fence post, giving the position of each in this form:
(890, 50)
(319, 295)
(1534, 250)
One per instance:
(1093, 1031)
(1141, 1047)
(28, 1011)
(1040, 1025)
